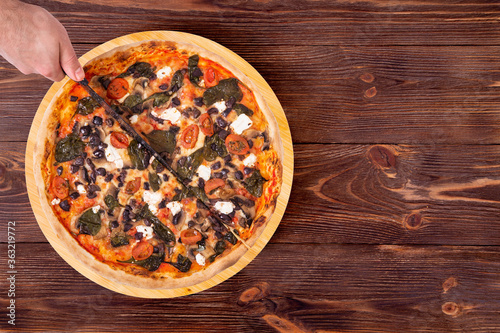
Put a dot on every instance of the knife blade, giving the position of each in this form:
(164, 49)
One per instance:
(132, 132)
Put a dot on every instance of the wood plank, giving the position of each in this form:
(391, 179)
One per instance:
(360, 194)
(341, 288)
(343, 94)
(304, 22)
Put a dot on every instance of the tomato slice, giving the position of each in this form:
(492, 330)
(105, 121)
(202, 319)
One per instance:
(236, 144)
(189, 136)
(210, 77)
(190, 236)
(133, 185)
(118, 140)
(117, 88)
(142, 250)
(212, 184)
(60, 186)
(206, 124)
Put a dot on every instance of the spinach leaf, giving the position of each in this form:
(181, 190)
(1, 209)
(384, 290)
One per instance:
(223, 91)
(69, 148)
(193, 161)
(86, 106)
(255, 183)
(240, 108)
(162, 141)
(160, 98)
(192, 66)
(152, 263)
(183, 264)
(139, 69)
(154, 181)
(177, 80)
(131, 101)
(191, 191)
(214, 146)
(137, 155)
(219, 248)
(111, 202)
(162, 231)
(231, 238)
(89, 222)
(119, 240)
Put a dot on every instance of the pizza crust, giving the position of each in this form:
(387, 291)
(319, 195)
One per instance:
(44, 147)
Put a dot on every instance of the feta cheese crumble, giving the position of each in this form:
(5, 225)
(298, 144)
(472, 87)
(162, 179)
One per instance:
(250, 160)
(112, 154)
(204, 172)
(200, 259)
(56, 201)
(172, 114)
(175, 207)
(221, 106)
(152, 199)
(225, 207)
(147, 232)
(96, 209)
(81, 189)
(164, 72)
(241, 123)
(134, 119)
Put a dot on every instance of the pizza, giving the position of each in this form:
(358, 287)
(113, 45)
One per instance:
(126, 216)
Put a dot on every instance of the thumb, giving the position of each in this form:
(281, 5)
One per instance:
(69, 61)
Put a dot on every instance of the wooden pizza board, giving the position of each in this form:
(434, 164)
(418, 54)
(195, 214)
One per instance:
(282, 201)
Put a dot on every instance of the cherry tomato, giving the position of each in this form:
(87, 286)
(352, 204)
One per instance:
(206, 124)
(133, 186)
(212, 184)
(190, 236)
(117, 88)
(189, 136)
(142, 250)
(236, 144)
(60, 187)
(118, 140)
(210, 78)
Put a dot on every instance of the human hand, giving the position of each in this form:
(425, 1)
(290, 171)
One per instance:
(36, 42)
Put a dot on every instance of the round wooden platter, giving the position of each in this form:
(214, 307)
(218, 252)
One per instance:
(284, 131)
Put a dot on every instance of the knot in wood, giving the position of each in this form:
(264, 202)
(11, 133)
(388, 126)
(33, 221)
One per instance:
(3, 171)
(253, 294)
(382, 157)
(413, 221)
(449, 283)
(371, 92)
(450, 308)
(367, 77)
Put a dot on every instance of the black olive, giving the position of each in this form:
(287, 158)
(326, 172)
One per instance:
(247, 170)
(226, 112)
(73, 98)
(127, 227)
(223, 134)
(102, 145)
(225, 217)
(110, 122)
(93, 176)
(91, 195)
(120, 184)
(221, 122)
(74, 168)
(227, 158)
(90, 163)
(74, 195)
(176, 101)
(218, 235)
(101, 172)
(224, 172)
(163, 86)
(216, 165)
(94, 188)
(97, 121)
(165, 177)
(197, 72)
(159, 168)
(191, 224)
(182, 161)
(196, 113)
(147, 223)
(250, 143)
(138, 235)
(126, 215)
(156, 249)
(162, 204)
(218, 175)
(95, 140)
(108, 178)
(99, 153)
(114, 224)
(85, 131)
(59, 170)
(65, 205)
(146, 186)
(78, 161)
(201, 183)
(238, 175)
(198, 101)
(176, 218)
(212, 111)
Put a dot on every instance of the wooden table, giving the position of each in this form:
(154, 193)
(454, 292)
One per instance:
(393, 222)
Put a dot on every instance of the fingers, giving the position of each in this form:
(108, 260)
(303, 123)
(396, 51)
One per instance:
(68, 59)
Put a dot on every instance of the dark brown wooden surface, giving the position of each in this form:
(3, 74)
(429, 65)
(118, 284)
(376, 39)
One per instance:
(393, 223)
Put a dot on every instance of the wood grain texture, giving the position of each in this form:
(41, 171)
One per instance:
(340, 288)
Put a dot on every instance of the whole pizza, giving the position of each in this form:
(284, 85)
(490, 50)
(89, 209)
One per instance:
(125, 215)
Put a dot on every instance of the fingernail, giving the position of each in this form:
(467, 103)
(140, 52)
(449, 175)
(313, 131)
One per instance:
(79, 74)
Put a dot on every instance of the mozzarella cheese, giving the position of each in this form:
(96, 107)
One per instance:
(152, 199)
(112, 154)
(204, 172)
(241, 123)
(200, 259)
(81, 189)
(172, 114)
(96, 209)
(221, 106)
(147, 232)
(164, 72)
(175, 207)
(250, 160)
(225, 207)
(134, 119)
(56, 201)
